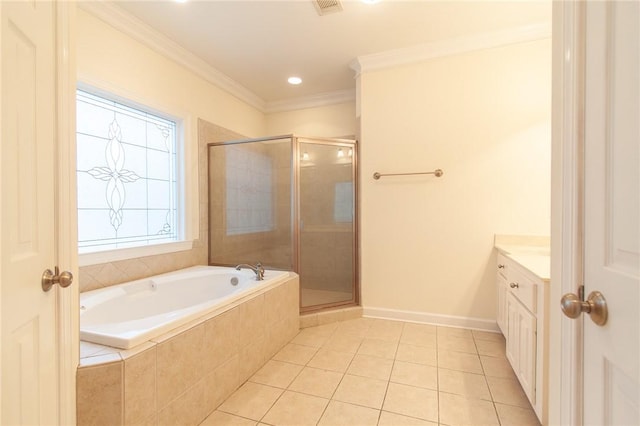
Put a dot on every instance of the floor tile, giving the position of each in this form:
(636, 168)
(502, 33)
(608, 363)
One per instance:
(508, 391)
(361, 391)
(417, 354)
(459, 361)
(326, 329)
(295, 354)
(497, 367)
(343, 343)
(419, 337)
(491, 348)
(457, 410)
(410, 327)
(357, 327)
(370, 366)
(310, 337)
(417, 374)
(469, 385)
(516, 416)
(296, 409)
(385, 330)
(331, 360)
(252, 401)
(276, 373)
(454, 332)
(412, 401)
(317, 382)
(393, 419)
(487, 335)
(458, 344)
(218, 418)
(379, 348)
(343, 414)
(424, 376)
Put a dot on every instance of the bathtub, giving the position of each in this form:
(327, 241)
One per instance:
(128, 314)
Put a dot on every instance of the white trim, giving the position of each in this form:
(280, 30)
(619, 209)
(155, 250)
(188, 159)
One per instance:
(68, 339)
(321, 99)
(138, 30)
(106, 256)
(449, 47)
(429, 318)
(1, 201)
(565, 340)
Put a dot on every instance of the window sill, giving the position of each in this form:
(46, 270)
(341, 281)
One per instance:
(107, 256)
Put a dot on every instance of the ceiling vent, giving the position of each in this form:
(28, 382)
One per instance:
(327, 6)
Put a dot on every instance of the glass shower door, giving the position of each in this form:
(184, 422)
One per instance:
(327, 227)
(250, 203)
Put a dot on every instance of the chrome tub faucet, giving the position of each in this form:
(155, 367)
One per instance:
(258, 269)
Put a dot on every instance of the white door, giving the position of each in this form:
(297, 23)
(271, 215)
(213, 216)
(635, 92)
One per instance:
(30, 363)
(611, 212)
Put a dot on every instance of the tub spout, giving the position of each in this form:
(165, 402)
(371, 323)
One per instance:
(258, 269)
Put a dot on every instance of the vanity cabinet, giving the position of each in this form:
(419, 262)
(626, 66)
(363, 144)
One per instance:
(522, 318)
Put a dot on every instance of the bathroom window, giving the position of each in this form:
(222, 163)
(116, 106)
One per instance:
(126, 175)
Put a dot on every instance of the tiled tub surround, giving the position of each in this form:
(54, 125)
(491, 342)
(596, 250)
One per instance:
(378, 372)
(125, 315)
(182, 376)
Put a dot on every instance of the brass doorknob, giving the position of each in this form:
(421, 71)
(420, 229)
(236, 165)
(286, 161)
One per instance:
(49, 278)
(595, 306)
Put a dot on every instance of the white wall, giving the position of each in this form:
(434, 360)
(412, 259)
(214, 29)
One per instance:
(331, 121)
(482, 117)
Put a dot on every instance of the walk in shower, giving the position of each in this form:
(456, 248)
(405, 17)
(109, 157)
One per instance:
(289, 202)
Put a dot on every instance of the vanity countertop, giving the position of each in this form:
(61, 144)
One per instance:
(531, 252)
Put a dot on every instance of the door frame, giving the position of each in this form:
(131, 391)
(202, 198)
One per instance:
(566, 335)
(68, 317)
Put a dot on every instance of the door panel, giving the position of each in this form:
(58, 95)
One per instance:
(612, 216)
(327, 223)
(29, 356)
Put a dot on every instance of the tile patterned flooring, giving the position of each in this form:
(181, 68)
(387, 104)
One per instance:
(378, 372)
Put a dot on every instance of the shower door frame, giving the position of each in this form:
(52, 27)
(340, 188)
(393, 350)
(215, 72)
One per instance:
(355, 258)
(295, 206)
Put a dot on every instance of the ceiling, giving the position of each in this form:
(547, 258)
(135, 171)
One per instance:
(259, 44)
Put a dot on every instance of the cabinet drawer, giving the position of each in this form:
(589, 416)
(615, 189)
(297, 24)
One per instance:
(523, 289)
(502, 266)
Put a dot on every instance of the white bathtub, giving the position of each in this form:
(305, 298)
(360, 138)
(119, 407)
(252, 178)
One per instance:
(128, 314)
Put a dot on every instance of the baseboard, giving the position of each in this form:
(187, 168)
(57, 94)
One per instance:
(429, 318)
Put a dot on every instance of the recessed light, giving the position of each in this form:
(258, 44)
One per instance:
(180, 1)
(294, 80)
(370, 1)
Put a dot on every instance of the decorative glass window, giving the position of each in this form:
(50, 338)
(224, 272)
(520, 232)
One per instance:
(126, 172)
(249, 183)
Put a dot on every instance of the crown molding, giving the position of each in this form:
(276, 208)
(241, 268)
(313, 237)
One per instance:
(449, 47)
(321, 99)
(128, 24)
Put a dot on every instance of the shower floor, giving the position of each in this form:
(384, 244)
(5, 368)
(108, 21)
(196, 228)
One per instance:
(311, 296)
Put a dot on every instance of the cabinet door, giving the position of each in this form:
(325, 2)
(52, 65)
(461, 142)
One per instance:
(527, 353)
(521, 345)
(502, 304)
(513, 332)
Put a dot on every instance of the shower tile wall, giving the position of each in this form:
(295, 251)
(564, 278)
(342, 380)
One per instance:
(106, 274)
